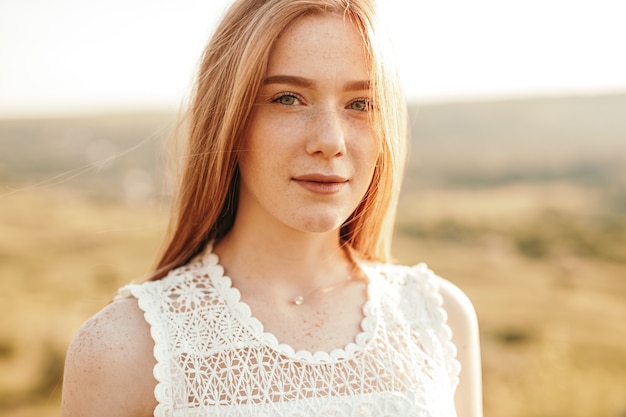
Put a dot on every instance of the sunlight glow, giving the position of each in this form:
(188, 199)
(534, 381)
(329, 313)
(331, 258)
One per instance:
(67, 56)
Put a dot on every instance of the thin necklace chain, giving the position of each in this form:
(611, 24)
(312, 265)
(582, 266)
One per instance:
(299, 300)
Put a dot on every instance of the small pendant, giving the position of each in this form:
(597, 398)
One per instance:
(298, 300)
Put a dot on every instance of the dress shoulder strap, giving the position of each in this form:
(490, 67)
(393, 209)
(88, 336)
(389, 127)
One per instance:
(157, 299)
(415, 292)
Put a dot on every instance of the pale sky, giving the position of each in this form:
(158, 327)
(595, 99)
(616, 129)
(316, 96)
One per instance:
(87, 56)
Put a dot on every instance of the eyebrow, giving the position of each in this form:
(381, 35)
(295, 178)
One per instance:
(307, 83)
(289, 79)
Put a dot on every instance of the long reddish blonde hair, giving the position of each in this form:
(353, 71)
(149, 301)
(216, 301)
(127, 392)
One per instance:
(230, 74)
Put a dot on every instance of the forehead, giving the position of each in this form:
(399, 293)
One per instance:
(317, 42)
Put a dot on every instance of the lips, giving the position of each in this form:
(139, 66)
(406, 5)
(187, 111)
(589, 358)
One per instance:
(321, 183)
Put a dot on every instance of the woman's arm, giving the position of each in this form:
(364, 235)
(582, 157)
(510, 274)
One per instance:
(108, 369)
(464, 324)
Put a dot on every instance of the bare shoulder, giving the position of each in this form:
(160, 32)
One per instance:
(461, 312)
(464, 325)
(108, 369)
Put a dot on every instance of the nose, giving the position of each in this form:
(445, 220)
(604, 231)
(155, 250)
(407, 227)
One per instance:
(327, 137)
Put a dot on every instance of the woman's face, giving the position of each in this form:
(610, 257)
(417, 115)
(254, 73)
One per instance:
(309, 150)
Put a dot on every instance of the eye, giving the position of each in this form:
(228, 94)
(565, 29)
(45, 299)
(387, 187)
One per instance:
(287, 99)
(360, 104)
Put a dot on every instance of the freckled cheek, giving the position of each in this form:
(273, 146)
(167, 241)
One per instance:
(278, 130)
(365, 147)
(266, 159)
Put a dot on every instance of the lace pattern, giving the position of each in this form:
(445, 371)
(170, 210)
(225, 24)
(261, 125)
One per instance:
(214, 358)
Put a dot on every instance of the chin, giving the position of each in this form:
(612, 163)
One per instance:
(319, 224)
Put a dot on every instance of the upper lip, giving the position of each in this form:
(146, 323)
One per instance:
(323, 178)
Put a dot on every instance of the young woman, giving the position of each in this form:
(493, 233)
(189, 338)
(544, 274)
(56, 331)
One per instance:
(274, 295)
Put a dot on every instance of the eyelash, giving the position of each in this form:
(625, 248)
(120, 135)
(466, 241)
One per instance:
(276, 99)
(366, 102)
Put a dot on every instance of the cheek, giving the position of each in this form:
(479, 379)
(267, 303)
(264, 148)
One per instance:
(369, 153)
(257, 139)
(253, 165)
(370, 159)
(263, 162)
(270, 135)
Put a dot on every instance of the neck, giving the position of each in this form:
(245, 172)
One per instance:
(275, 262)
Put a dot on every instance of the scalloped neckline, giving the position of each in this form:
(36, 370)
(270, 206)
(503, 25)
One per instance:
(243, 313)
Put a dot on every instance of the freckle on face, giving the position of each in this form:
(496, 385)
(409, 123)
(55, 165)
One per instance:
(284, 142)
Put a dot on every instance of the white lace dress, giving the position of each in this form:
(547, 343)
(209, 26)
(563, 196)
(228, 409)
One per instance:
(214, 359)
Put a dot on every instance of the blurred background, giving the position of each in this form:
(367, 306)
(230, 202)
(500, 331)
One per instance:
(516, 187)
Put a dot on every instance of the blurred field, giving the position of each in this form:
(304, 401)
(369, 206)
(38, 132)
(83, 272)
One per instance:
(532, 226)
